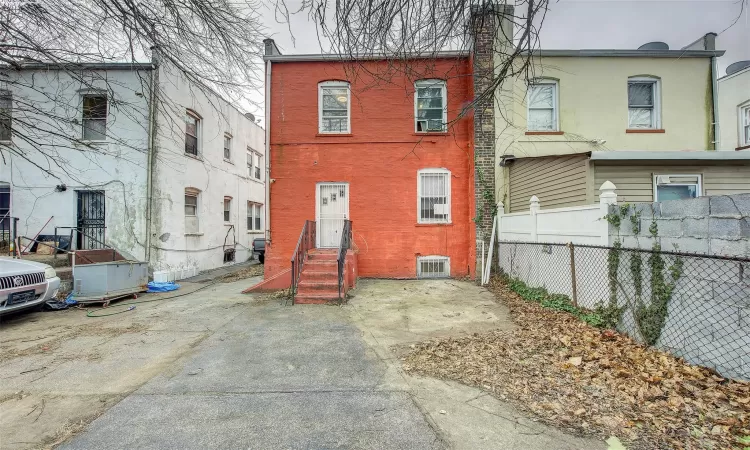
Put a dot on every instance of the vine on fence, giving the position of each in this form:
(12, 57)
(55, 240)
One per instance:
(650, 318)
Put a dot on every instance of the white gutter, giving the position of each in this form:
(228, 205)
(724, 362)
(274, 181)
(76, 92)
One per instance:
(669, 156)
(715, 92)
(268, 150)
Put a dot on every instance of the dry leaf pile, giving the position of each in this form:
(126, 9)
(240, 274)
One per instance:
(592, 381)
(248, 272)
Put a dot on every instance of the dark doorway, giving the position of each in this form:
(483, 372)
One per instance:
(91, 224)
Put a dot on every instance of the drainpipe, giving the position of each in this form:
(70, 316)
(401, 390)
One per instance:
(268, 150)
(715, 92)
(152, 103)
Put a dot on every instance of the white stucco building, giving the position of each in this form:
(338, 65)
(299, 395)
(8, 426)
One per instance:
(135, 157)
(734, 107)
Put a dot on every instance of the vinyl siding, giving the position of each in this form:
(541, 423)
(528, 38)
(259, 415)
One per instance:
(635, 182)
(557, 181)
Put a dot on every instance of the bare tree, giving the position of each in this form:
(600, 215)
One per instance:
(215, 44)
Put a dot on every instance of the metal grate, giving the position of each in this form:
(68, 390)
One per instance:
(21, 280)
(433, 267)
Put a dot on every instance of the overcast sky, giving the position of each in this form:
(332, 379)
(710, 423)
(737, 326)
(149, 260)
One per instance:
(574, 24)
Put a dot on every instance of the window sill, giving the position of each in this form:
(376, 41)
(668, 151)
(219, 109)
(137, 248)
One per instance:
(333, 135)
(254, 232)
(228, 161)
(431, 133)
(744, 147)
(193, 234)
(85, 142)
(195, 157)
(6, 142)
(544, 133)
(441, 224)
(228, 224)
(645, 130)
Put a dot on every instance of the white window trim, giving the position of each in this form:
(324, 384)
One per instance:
(335, 84)
(444, 90)
(249, 157)
(740, 117)
(94, 93)
(227, 136)
(436, 258)
(224, 209)
(555, 102)
(198, 133)
(448, 200)
(251, 208)
(657, 101)
(699, 188)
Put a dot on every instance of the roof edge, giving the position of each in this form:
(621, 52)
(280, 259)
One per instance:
(366, 56)
(81, 66)
(699, 155)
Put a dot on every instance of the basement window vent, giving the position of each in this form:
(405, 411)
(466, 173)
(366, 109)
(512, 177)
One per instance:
(433, 267)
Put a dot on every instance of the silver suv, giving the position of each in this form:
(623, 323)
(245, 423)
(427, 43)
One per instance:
(25, 284)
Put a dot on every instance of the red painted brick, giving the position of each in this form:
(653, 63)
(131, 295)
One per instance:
(379, 160)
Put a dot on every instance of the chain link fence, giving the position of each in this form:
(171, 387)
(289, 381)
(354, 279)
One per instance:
(695, 306)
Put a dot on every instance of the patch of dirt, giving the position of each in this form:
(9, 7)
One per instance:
(248, 272)
(591, 381)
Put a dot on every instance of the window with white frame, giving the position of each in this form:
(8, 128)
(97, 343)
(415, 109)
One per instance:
(745, 125)
(254, 216)
(430, 106)
(253, 164)
(542, 114)
(191, 210)
(6, 115)
(334, 107)
(643, 103)
(192, 133)
(677, 186)
(227, 146)
(227, 209)
(433, 267)
(434, 196)
(94, 117)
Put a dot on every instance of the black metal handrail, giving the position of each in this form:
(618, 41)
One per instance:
(306, 242)
(344, 245)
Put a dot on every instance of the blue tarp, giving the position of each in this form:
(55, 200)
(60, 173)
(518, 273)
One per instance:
(69, 300)
(154, 286)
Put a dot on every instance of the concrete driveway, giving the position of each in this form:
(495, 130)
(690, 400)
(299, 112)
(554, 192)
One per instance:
(310, 376)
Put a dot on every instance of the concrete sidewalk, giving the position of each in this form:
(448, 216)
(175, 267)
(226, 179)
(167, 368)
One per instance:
(313, 376)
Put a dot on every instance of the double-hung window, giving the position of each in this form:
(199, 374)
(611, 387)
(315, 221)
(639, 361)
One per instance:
(745, 125)
(6, 115)
(253, 164)
(191, 210)
(254, 215)
(542, 106)
(227, 147)
(334, 107)
(94, 118)
(227, 209)
(643, 103)
(676, 187)
(434, 196)
(192, 133)
(430, 106)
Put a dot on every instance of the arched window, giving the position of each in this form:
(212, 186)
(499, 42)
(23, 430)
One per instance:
(542, 109)
(430, 106)
(434, 196)
(191, 210)
(334, 107)
(644, 106)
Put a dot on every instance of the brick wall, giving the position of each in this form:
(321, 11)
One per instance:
(379, 160)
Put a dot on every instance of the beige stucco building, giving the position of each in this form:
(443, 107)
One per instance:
(734, 110)
(643, 119)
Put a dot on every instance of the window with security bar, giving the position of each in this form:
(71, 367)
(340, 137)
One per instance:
(333, 107)
(433, 267)
(434, 196)
(431, 114)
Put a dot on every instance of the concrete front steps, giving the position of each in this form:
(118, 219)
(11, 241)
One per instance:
(318, 281)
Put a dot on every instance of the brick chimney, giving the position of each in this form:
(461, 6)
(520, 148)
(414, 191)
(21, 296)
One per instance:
(492, 30)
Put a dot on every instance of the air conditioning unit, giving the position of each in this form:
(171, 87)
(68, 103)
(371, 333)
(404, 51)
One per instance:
(440, 209)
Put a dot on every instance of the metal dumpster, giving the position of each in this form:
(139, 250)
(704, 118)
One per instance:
(102, 282)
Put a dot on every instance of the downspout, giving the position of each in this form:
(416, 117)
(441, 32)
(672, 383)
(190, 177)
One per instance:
(152, 104)
(268, 151)
(715, 94)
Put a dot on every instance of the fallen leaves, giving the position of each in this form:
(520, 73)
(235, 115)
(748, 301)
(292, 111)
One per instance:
(592, 382)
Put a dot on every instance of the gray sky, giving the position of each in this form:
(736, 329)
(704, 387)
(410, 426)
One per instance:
(574, 24)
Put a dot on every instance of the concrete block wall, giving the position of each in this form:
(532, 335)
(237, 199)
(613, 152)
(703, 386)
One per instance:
(708, 321)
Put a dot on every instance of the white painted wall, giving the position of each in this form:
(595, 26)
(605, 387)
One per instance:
(734, 90)
(35, 166)
(216, 178)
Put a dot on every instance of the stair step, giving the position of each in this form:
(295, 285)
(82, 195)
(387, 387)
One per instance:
(327, 263)
(322, 256)
(319, 285)
(316, 298)
(314, 275)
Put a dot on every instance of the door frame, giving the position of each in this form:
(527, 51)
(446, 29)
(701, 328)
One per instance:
(317, 206)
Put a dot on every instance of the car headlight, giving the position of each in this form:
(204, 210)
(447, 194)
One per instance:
(49, 272)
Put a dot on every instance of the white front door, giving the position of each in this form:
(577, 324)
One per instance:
(332, 208)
